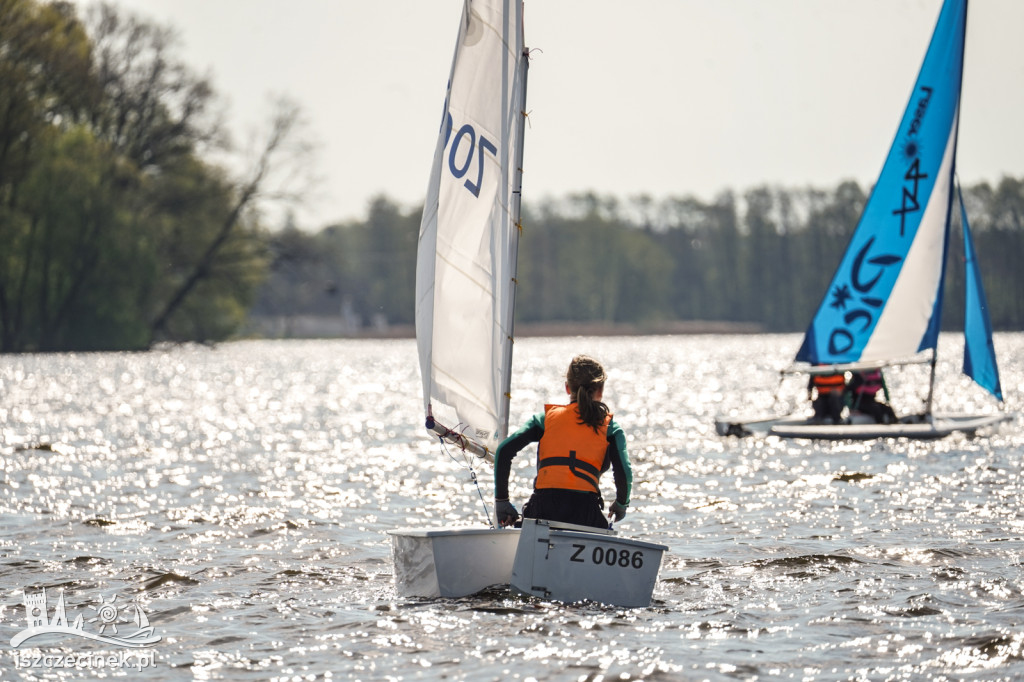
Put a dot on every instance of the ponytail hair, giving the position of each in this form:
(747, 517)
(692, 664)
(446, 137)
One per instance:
(585, 377)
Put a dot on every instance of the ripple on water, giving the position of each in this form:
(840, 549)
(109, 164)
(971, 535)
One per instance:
(242, 494)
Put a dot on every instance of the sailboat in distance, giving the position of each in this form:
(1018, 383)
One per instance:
(883, 306)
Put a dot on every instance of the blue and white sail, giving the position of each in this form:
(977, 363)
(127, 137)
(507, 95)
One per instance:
(979, 353)
(885, 300)
(468, 241)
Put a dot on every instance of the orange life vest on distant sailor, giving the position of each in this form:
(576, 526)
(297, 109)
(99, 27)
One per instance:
(871, 382)
(826, 383)
(570, 454)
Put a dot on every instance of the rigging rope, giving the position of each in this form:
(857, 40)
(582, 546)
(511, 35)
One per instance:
(472, 475)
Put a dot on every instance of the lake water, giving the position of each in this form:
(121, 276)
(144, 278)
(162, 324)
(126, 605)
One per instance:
(241, 495)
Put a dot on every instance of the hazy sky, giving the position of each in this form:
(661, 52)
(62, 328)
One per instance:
(668, 97)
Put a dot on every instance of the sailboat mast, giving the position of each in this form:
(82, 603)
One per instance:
(949, 208)
(931, 382)
(516, 209)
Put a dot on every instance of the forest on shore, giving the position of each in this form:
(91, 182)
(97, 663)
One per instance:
(760, 261)
(130, 217)
(120, 222)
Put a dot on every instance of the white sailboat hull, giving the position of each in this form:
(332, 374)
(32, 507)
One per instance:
(574, 563)
(452, 562)
(939, 426)
(800, 426)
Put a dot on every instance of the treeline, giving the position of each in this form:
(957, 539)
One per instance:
(117, 229)
(763, 258)
(121, 225)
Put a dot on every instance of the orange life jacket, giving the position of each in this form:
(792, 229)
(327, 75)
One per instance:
(826, 383)
(570, 454)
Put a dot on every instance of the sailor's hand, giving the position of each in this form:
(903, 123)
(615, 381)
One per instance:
(505, 513)
(617, 510)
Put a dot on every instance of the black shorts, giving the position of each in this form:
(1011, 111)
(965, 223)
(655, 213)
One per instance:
(568, 506)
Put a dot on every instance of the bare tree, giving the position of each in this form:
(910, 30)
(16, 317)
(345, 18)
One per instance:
(279, 165)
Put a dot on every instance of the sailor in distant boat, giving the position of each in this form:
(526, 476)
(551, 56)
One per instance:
(864, 387)
(576, 444)
(826, 393)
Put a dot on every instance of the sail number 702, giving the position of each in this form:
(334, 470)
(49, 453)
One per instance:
(608, 556)
(467, 147)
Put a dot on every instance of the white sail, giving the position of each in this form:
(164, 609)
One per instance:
(465, 271)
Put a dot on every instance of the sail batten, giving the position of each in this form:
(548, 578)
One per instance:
(466, 256)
